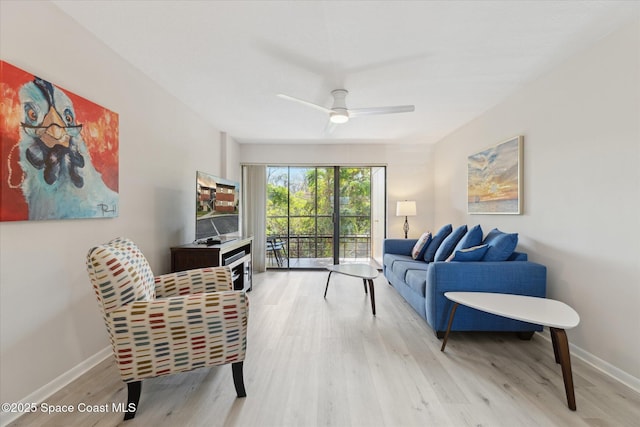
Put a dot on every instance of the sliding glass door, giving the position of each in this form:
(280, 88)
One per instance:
(304, 228)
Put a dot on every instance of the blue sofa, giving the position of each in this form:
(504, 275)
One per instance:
(444, 264)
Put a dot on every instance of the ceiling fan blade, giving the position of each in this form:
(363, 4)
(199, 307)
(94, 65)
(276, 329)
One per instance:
(381, 110)
(303, 102)
(330, 128)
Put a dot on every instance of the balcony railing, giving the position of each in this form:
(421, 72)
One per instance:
(320, 246)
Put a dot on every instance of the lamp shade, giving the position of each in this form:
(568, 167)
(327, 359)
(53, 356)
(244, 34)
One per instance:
(406, 208)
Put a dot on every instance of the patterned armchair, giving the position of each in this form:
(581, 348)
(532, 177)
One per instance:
(166, 324)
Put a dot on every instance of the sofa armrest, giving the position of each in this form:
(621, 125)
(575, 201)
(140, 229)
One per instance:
(177, 334)
(398, 246)
(510, 277)
(200, 280)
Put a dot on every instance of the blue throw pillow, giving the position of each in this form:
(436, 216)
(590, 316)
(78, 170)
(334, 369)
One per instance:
(430, 253)
(501, 247)
(492, 235)
(449, 243)
(471, 239)
(469, 254)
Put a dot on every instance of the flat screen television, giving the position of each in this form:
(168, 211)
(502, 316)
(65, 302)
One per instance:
(217, 209)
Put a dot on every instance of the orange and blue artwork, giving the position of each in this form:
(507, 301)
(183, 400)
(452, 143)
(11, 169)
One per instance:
(494, 179)
(58, 152)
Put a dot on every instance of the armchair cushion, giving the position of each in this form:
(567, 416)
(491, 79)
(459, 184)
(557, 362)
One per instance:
(193, 282)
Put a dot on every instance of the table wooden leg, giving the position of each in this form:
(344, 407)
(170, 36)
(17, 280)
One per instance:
(561, 350)
(327, 287)
(364, 282)
(554, 342)
(372, 295)
(446, 335)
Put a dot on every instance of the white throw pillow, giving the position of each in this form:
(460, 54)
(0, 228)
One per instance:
(422, 243)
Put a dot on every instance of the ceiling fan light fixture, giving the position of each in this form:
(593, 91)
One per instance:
(339, 117)
(340, 114)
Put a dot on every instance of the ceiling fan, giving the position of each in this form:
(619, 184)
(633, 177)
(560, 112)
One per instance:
(339, 113)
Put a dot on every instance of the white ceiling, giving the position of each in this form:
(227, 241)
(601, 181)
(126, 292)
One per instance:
(453, 60)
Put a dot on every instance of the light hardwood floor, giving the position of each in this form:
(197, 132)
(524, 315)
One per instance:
(313, 362)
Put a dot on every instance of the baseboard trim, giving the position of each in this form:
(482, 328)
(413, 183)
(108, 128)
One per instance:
(601, 365)
(57, 384)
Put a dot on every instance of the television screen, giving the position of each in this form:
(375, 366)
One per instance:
(217, 208)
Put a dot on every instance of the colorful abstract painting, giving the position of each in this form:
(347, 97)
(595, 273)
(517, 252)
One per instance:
(494, 184)
(58, 152)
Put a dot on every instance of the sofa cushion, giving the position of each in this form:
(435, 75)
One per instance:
(501, 247)
(450, 243)
(421, 245)
(400, 268)
(417, 281)
(471, 239)
(436, 241)
(474, 253)
(389, 259)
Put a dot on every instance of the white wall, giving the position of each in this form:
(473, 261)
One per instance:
(581, 125)
(49, 318)
(230, 156)
(408, 172)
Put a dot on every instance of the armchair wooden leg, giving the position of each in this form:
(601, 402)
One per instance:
(134, 390)
(238, 379)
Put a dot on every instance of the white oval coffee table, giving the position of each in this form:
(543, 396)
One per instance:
(363, 271)
(557, 315)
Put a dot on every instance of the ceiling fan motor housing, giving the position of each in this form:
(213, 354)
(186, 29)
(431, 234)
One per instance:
(339, 112)
(339, 101)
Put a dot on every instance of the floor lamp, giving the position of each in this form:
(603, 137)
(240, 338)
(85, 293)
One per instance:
(406, 209)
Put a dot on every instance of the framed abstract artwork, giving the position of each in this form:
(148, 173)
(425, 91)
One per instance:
(494, 179)
(58, 152)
